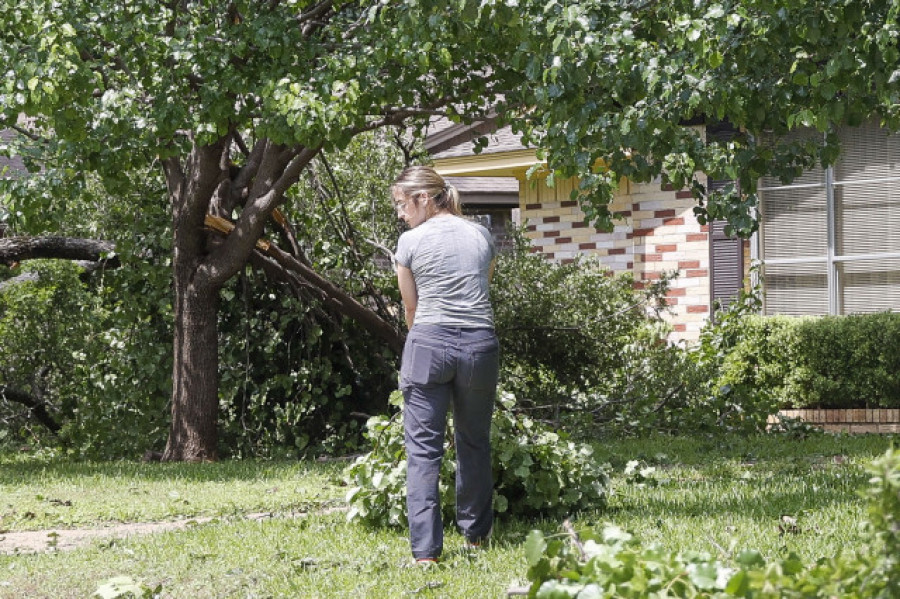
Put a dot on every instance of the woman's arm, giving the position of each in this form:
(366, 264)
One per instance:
(408, 293)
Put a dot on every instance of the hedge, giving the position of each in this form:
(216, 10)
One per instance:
(819, 362)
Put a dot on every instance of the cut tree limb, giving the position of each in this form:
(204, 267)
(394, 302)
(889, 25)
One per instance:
(37, 408)
(341, 301)
(17, 249)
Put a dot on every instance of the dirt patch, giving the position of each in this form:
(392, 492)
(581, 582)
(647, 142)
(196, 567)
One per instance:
(63, 539)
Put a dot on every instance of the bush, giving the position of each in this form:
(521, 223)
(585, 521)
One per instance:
(609, 562)
(536, 471)
(763, 363)
(847, 362)
(582, 345)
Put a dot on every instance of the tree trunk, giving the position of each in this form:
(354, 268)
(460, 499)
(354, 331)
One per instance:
(193, 436)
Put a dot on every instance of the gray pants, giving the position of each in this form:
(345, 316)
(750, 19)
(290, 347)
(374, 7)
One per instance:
(447, 367)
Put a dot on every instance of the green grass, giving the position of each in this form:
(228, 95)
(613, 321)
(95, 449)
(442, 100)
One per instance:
(704, 494)
(36, 494)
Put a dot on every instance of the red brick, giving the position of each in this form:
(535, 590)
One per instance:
(629, 265)
(587, 246)
(688, 264)
(564, 240)
(678, 292)
(642, 232)
(651, 276)
(622, 213)
(663, 213)
(534, 250)
(567, 260)
(616, 251)
(531, 228)
(579, 225)
(653, 258)
(704, 228)
(639, 285)
(673, 221)
(552, 233)
(533, 206)
(667, 248)
(667, 187)
(697, 309)
(684, 194)
(551, 219)
(697, 237)
(568, 204)
(679, 328)
(697, 273)
(671, 301)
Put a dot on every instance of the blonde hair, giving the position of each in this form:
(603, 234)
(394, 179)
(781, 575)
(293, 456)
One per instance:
(424, 179)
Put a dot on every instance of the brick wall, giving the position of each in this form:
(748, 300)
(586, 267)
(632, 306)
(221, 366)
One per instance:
(847, 421)
(658, 233)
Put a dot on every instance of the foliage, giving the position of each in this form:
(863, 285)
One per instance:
(41, 326)
(536, 471)
(608, 562)
(613, 83)
(291, 371)
(758, 364)
(734, 394)
(846, 361)
(123, 587)
(572, 333)
(295, 375)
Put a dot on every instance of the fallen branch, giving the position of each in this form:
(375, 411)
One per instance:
(17, 249)
(333, 296)
(37, 408)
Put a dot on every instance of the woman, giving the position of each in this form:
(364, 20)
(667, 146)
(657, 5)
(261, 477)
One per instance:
(450, 360)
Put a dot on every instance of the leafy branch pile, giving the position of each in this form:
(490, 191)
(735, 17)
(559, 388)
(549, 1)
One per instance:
(609, 562)
(536, 471)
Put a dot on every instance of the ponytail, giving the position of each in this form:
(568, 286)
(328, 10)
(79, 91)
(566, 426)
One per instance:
(417, 179)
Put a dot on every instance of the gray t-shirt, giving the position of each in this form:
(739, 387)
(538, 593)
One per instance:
(449, 257)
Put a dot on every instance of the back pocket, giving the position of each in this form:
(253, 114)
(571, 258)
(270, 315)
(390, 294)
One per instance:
(423, 364)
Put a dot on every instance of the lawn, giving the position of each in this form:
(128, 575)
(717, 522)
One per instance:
(771, 493)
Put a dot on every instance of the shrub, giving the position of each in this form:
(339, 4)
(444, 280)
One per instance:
(758, 364)
(580, 343)
(848, 361)
(536, 471)
(609, 562)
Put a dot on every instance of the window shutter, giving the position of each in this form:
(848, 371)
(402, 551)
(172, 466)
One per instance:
(726, 254)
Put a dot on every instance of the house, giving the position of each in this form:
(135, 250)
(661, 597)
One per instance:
(829, 242)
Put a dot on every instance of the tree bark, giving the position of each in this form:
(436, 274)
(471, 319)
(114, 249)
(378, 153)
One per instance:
(37, 408)
(16, 249)
(193, 435)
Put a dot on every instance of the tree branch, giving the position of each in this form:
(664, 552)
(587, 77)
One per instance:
(16, 249)
(36, 408)
(332, 295)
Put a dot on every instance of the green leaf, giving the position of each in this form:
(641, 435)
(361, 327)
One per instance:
(739, 584)
(535, 545)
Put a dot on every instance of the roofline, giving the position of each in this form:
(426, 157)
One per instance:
(501, 164)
